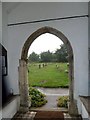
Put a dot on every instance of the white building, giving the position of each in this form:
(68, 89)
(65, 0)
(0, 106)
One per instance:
(23, 22)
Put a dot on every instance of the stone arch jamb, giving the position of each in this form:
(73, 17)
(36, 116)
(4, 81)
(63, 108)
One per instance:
(23, 80)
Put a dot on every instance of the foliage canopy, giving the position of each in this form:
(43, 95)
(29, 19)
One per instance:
(60, 55)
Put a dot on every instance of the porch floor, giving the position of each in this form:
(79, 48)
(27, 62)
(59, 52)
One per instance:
(86, 101)
(44, 115)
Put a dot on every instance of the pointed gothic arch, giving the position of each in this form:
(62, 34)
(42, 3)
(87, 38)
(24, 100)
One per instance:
(23, 78)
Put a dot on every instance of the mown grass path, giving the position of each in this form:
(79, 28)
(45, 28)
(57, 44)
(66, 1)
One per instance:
(52, 76)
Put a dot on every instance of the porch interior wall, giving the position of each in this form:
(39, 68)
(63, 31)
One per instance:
(76, 30)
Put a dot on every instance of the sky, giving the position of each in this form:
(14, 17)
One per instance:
(44, 43)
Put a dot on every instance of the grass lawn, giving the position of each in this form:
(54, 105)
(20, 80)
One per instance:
(48, 76)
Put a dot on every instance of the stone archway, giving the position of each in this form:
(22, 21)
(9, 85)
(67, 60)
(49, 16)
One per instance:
(23, 78)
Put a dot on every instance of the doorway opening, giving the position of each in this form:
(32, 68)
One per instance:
(48, 73)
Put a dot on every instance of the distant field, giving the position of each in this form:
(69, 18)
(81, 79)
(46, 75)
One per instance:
(52, 75)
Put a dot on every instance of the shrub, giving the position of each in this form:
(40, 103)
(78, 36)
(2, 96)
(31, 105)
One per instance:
(63, 101)
(37, 98)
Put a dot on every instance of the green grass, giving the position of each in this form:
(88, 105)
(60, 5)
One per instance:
(50, 76)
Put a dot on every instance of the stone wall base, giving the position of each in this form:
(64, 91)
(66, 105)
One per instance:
(73, 110)
(23, 109)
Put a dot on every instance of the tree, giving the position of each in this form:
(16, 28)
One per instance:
(46, 56)
(54, 57)
(33, 57)
(61, 54)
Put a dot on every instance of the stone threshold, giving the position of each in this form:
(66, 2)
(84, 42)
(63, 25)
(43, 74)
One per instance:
(64, 110)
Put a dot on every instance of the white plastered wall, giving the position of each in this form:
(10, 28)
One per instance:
(5, 44)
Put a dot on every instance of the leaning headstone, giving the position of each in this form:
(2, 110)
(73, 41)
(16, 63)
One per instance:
(67, 64)
(66, 71)
(43, 65)
(39, 66)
